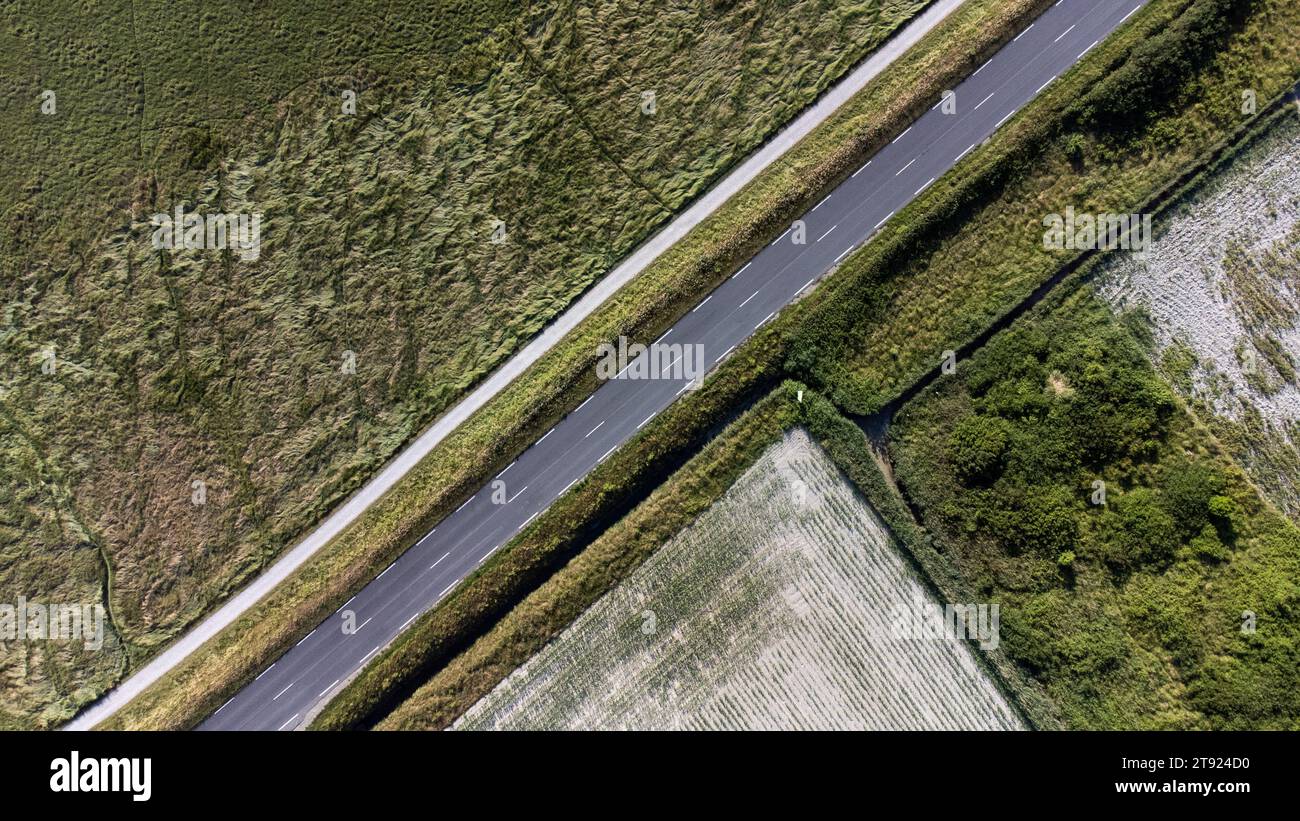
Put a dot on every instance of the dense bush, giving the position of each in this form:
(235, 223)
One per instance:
(977, 447)
(1127, 606)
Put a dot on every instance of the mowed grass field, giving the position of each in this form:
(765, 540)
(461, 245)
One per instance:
(377, 228)
(773, 610)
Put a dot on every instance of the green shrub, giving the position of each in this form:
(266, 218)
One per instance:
(977, 448)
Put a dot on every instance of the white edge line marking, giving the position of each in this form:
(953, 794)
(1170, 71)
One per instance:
(684, 387)
(309, 635)
(724, 353)
(412, 618)
(224, 706)
(503, 473)
(981, 68)
(1086, 50)
(290, 721)
(964, 153)
(901, 136)
(1004, 119)
(765, 319)
(706, 299)
(467, 501)
(1045, 85)
(327, 689)
(733, 276)
(584, 404)
(840, 257)
(882, 222)
(598, 461)
(922, 188)
(526, 521)
(1130, 14)
(863, 168)
(371, 653)
(548, 433)
(448, 587)
(670, 330)
(1023, 33)
(823, 202)
(805, 285)
(386, 569)
(569, 485)
(267, 670)
(647, 419)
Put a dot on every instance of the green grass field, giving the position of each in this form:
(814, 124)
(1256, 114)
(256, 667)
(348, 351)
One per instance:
(376, 249)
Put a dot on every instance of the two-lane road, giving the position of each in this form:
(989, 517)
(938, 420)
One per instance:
(286, 692)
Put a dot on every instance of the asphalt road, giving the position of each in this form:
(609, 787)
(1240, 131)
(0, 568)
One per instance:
(286, 692)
